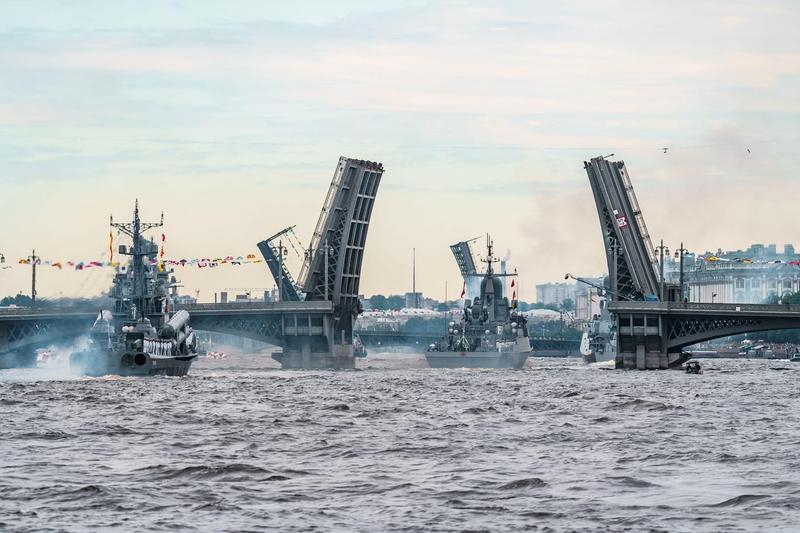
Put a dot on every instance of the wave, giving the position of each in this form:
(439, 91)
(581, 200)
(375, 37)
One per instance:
(742, 499)
(529, 483)
(227, 473)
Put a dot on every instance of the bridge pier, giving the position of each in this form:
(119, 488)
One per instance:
(642, 341)
(644, 360)
(340, 358)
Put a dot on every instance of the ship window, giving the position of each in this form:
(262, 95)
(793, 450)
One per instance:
(740, 283)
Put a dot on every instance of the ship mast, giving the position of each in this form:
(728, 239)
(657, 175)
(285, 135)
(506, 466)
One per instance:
(490, 258)
(134, 230)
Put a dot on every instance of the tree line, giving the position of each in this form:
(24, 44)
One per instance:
(395, 302)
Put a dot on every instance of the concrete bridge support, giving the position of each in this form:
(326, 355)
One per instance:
(652, 335)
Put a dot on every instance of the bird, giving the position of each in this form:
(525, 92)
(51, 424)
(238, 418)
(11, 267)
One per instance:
(665, 150)
(748, 150)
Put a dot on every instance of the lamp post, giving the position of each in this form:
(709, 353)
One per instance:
(661, 250)
(34, 259)
(679, 253)
(713, 295)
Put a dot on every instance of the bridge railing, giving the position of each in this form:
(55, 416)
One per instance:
(708, 307)
(47, 311)
(321, 305)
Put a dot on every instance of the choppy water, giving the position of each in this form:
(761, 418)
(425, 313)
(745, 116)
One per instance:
(556, 447)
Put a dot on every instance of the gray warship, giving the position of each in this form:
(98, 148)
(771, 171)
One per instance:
(599, 339)
(140, 336)
(490, 334)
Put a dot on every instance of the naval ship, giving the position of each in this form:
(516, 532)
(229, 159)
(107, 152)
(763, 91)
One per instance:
(140, 336)
(599, 339)
(490, 334)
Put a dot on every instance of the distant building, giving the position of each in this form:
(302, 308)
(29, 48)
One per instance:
(413, 300)
(183, 299)
(555, 293)
(742, 276)
(587, 302)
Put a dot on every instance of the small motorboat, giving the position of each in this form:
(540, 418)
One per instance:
(693, 367)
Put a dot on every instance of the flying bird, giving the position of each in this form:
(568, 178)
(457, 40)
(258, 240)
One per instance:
(665, 150)
(748, 150)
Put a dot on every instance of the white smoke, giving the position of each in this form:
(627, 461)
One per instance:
(52, 362)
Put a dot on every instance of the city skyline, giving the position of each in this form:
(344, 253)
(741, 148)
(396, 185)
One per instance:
(231, 124)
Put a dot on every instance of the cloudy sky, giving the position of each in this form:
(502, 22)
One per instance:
(230, 117)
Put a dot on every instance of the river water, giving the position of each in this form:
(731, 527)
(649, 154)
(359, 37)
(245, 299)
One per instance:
(559, 446)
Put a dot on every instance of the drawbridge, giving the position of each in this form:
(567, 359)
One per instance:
(331, 270)
(653, 324)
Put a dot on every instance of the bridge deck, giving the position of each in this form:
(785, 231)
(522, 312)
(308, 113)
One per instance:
(706, 309)
(320, 306)
(23, 313)
(37, 313)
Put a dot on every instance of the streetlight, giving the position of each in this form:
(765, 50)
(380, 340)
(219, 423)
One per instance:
(679, 253)
(713, 295)
(661, 250)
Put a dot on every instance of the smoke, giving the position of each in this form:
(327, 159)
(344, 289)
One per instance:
(52, 362)
(561, 235)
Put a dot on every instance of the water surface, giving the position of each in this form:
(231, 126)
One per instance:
(559, 446)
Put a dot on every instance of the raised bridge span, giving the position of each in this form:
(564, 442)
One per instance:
(653, 323)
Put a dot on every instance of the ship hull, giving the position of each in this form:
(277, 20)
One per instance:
(515, 360)
(141, 364)
(604, 357)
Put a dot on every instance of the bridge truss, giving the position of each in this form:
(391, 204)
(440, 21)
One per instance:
(653, 333)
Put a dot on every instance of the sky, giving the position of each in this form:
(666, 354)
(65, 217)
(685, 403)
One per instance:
(230, 121)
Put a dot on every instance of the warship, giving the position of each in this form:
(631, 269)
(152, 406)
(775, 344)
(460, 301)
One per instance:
(140, 336)
(490, 334)
(599, 339)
